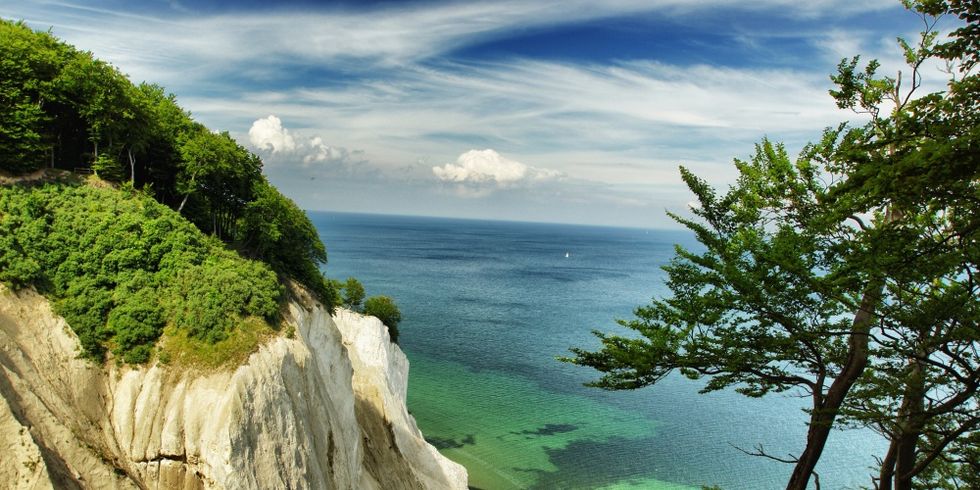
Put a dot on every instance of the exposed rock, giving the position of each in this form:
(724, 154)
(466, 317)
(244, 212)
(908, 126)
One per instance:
(324, 409)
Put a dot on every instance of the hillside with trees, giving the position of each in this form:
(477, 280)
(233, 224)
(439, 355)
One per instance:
(61, 108)
(137, 222)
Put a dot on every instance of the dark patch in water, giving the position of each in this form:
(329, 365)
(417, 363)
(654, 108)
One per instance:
(588, 464)
(450, 443)
(547, 430)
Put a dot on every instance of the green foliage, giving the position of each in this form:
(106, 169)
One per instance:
(64, 108)
(921, 165)
(859, 290)
(121, 267)
(353, 294)
(179, 347)
(385, 309)
(275, 230)
(108, 167)
(29, 62)
(203, 295)
(751, 309)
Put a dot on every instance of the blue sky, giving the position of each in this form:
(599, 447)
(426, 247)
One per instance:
(564, 111)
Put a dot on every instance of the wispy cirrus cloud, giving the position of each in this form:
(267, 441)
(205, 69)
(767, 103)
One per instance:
(388, 82)
(196, 44)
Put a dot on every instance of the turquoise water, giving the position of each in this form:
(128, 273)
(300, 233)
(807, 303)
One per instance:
(487, 307)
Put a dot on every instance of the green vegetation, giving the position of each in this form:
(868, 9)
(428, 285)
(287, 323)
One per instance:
(121, 267)
(179, 347)
(353, 294)
(384, 309)
(192, 257)
(61, 108)
(848, 275)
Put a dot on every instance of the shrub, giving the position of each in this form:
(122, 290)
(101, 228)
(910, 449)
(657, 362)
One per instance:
(120, 268)
(385, 309)
(353, 294)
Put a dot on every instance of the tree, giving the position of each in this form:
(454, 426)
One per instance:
(384, 309)
(892, 238)
(99, 94)
(29, 61)
(765, 308)
(159, 153)
(353, 294)
(274, 229)
(922, 390)
(222, 174)
(58, 102)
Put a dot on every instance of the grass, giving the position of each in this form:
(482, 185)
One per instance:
(179, 349)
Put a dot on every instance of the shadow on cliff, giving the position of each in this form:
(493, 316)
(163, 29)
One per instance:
(61, 476)
(383, 459)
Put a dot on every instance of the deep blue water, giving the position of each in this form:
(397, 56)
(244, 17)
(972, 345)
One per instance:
(487, 306)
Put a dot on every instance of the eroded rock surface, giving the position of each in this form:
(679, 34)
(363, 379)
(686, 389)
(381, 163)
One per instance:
(323, 409)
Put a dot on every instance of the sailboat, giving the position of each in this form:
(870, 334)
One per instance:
(566, 255)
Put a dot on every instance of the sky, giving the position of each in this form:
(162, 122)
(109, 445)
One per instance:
(567, 111)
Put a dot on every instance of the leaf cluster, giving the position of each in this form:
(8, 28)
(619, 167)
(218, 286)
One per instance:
(385, 309)
(878, 223)
(763, 307)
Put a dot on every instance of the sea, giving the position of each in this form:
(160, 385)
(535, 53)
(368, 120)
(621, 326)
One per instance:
(488, 306)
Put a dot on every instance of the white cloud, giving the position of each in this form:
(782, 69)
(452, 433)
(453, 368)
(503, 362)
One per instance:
(487, 167)
(268, 134)
(319, 152)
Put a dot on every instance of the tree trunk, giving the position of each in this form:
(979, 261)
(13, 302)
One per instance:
(910, 423)
(192, 185)
(132, 167)
(825, 412)
(887, 471)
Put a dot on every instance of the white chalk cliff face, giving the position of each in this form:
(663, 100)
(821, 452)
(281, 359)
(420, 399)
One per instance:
(325, 409)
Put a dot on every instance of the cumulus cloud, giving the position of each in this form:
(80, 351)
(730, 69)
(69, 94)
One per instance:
(320, 152)
(489, 168)
(269, 134)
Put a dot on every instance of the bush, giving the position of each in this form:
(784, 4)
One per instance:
(353, 294)
(385, 309)
(120, 268)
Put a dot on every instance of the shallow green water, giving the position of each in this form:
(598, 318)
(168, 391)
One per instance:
(509, 433)
(487, 307)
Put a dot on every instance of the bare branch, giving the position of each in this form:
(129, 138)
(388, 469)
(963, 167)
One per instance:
(760, 451)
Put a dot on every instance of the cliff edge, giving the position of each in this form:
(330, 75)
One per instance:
(323, 409)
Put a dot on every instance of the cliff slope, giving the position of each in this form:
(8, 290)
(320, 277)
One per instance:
(323, 409)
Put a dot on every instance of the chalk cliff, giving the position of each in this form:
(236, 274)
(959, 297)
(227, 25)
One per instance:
(323, 409)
